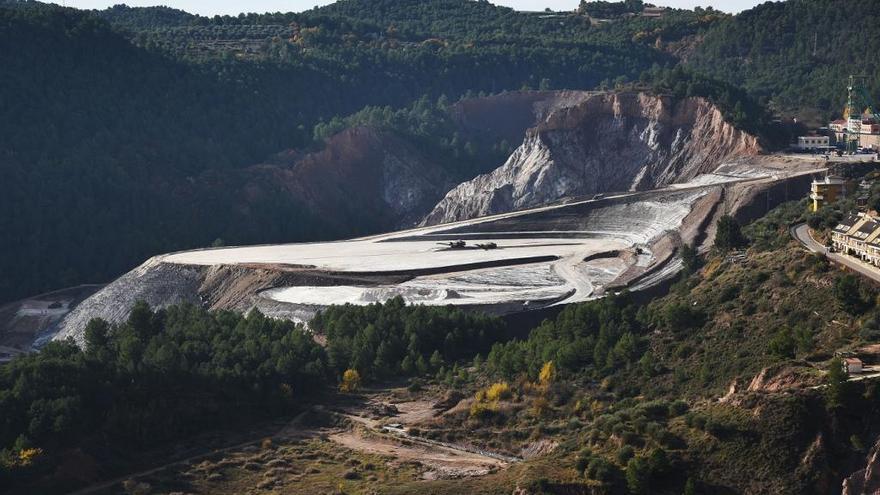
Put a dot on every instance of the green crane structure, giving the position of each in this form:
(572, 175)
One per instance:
(858, 103)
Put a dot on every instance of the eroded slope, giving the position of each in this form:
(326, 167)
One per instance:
(604, 142)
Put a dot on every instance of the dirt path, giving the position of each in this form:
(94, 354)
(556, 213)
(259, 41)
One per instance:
(443, 462)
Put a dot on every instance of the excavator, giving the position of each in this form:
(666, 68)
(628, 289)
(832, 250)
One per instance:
(459, 244)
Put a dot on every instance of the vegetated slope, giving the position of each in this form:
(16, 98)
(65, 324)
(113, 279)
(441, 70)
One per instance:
(102, 144)
(741, 340)
(608, 142)
(454, 18)
(798, 54)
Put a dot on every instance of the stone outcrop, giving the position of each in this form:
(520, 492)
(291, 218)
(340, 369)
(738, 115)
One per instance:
(865, 481)
(600, 143)
(363, 177)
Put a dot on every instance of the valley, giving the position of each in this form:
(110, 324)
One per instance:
(384, 247)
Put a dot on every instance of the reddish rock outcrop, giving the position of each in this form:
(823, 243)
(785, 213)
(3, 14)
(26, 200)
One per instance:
(865, 481)
(363, 176)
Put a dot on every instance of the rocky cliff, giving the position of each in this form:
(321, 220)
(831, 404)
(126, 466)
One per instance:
(865, 481)
(363, 176)
(599, 143)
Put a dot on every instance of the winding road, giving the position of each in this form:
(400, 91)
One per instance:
(801, 232)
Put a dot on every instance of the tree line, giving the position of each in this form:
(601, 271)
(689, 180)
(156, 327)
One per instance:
(165, 375)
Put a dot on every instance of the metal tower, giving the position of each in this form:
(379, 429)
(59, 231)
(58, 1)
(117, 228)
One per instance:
(858, 103)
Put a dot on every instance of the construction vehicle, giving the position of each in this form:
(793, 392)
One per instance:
(459, 244)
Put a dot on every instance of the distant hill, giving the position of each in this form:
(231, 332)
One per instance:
(796, 54)
(145, 17)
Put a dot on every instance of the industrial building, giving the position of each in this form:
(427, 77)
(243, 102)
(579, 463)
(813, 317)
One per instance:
(860, 126)
(813, 142)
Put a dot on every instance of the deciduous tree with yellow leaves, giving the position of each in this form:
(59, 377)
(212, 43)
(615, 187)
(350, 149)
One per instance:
(351, 381)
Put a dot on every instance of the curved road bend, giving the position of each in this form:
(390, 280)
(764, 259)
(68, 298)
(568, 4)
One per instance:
(802, 233)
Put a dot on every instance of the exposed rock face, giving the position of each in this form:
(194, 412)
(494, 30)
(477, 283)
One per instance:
(363, 177)
(783, 377)
(865, 481)
(600, 143)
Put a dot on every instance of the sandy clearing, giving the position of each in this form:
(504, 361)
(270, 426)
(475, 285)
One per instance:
(414, 412)
(445, 462)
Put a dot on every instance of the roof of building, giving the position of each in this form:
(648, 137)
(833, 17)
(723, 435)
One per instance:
(874, 238)
(847, 223)
(867, 227)
(852, 360)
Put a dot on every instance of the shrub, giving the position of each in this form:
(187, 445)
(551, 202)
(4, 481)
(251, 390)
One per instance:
(658, 460)
(846, 291)
(656, 409)
(679, 316)
(728, 293)
(870, 330)
(583, 460)
(548, 374)
(856, 443)
(481, 410)
(540, 406)
(351, 381)
(728, 234)
(600, 470)
(782, 344)
(499, 391)
(678, 408)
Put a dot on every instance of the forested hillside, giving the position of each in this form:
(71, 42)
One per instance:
(796, 54)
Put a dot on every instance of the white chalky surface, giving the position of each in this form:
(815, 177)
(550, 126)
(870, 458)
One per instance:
(490, 286)
(375, 256)
(568, 277)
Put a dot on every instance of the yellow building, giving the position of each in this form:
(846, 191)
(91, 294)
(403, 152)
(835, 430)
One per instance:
(828, 190)
(858, 235)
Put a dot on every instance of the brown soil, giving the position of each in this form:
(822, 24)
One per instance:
(442, 462)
